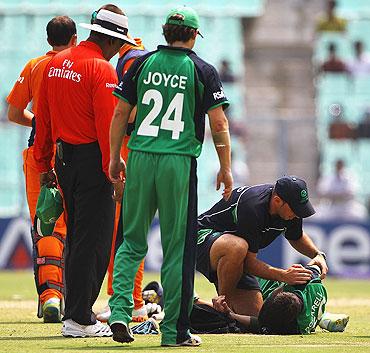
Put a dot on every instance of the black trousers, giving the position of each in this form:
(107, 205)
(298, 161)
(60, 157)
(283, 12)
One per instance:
(90, 215)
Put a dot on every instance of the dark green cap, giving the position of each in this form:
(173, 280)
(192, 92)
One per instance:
(185, 16)
(48, 210)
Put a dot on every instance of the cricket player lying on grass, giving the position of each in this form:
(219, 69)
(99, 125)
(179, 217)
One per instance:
(289, 309)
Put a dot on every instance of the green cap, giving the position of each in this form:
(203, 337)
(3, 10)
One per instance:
(185, 16)
(49, 208)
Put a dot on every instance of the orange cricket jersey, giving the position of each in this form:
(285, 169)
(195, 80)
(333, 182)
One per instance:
(27, 86)
(76, 102)
(124, 49)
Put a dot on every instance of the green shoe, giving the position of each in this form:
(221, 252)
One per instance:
(334, 322)
(51, 311)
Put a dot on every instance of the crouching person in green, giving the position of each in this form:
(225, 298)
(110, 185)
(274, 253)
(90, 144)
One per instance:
(172, 89)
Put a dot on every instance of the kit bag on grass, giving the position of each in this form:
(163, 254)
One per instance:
(205, 319)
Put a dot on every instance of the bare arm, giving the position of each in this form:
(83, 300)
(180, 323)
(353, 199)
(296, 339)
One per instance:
(306, 246)
(20, 116)
(221, 138)
(296, 274)
(219, 303)
(117, 132)
(245, 320)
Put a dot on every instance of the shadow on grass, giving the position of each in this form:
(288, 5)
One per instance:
(362, 336)
(22, 322)
(107, 348)
(40, 338)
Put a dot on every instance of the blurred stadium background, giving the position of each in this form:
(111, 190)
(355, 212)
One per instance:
(280, 115)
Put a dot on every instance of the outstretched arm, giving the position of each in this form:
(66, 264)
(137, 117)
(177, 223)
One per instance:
(295, 274)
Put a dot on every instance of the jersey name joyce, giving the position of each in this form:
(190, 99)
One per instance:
(65, 72)
(160, 78)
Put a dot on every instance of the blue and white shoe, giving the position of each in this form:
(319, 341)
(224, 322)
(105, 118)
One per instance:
(149, 327)
(192, 341)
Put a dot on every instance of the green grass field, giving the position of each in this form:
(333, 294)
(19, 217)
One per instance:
(21, 331)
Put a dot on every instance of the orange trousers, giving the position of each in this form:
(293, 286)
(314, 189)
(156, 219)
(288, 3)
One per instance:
(49, 245)
(137, 293)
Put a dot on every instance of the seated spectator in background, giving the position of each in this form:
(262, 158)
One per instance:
(337, 192)
(331, 22)
(339, 127)
(226, 74)
(363, 127)
(333, 63)
(360, 65)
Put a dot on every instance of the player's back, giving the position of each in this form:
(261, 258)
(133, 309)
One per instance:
(167, 120)
(73, 79)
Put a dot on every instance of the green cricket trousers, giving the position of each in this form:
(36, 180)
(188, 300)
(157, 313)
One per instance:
(167, 183)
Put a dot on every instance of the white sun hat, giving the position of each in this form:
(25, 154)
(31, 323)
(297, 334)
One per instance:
(109, 23)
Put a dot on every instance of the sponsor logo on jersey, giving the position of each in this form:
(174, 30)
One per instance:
(218, 95)
(110, 85)
(65, 72)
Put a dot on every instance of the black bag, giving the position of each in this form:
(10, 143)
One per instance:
(205, 319)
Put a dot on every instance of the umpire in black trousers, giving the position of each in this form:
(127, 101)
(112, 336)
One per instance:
(75, 110)
(88, 198)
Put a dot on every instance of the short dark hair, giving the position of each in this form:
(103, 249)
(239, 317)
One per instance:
(279, 313)
(60, 30)
(173, 33)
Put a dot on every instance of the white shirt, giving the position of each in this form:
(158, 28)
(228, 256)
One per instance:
(359, 65)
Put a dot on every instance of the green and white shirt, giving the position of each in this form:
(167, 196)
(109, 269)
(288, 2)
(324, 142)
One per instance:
(173, 90)
(314, 297)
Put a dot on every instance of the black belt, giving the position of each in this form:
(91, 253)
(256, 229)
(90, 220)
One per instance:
(65, 150)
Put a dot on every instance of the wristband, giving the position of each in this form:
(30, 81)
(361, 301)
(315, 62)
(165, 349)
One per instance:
(321, 253)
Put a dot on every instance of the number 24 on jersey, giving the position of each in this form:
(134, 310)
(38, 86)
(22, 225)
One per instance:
(176, 125)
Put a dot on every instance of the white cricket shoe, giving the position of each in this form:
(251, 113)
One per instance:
(73, 329)
(192, 341)
(334, 322)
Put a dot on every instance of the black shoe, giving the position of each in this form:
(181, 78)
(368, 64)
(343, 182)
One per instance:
(121, 332)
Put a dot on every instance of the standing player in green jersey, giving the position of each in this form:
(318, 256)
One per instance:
(173, 89)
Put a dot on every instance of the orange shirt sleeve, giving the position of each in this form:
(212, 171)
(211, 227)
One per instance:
(104, 103)
(124, 149)
(21, 93)
(43, 145)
